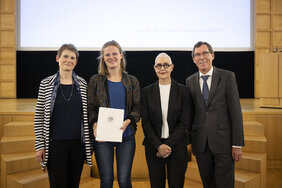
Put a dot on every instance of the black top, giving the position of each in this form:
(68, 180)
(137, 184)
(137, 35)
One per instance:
(67, 113)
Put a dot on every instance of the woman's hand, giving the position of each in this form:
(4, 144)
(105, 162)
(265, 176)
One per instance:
(125, 124)
(95, 129)
(164, 151)
(95, 132)
(40, 155)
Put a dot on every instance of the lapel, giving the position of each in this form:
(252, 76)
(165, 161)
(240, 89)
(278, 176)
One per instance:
(157, 101)
(198, 92)
(172, 98)
(214, 83)
(53, 86)
(126, 81)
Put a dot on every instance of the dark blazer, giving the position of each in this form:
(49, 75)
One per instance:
(178, 115)
(220, 123)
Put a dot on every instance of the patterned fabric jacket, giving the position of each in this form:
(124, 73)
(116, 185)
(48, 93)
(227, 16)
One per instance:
(98, 97)
(45, 103)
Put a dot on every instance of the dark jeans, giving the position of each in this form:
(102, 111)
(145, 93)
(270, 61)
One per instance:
(104, 153)
(65, 163)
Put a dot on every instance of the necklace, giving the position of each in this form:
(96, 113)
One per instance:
(67, 99)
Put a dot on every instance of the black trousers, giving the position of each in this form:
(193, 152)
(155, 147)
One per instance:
(216, 169)
(175, 165)
(65, 163)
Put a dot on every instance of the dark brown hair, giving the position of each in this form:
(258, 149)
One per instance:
(200, 43)
(69, 47)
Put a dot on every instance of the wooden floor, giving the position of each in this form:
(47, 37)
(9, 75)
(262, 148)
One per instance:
(274, 180)
(274, 177)
(249, 106)
(136, 184)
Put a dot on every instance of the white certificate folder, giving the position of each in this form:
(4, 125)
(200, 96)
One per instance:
(109, 123)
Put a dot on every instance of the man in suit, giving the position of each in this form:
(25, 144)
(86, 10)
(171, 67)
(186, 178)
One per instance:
(217, 129)
(165, 117)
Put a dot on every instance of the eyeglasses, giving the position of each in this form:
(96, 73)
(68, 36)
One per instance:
(165, 66)
(204, 54)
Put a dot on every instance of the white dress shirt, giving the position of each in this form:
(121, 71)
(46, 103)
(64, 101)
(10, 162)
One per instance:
(208, 80)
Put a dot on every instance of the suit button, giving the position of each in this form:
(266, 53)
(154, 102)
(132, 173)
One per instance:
(205, 124)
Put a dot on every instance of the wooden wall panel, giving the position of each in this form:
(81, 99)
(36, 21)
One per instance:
(7, 5)
(7, 49)
(7, 55)
(257, 79)
(277, 37)
(7, 90)
(258, 53)
(269, 73)
(268, 33)
(280, 78)
(263, 21)
(263, 6)
(257, 69)
(270, 80)
(277, 22)
(7, 38)
(277, 6)
(7, 21)
(263, 39)
(7, 73)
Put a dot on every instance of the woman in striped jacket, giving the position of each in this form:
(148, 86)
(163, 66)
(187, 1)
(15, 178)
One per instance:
(63, 135)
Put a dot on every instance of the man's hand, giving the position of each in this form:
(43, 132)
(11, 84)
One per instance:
(236, 154)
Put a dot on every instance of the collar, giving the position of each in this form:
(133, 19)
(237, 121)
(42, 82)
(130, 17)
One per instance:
(208, 73)
(56, 78)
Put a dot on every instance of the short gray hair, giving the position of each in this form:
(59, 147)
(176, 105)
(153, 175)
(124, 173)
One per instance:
(163, 55)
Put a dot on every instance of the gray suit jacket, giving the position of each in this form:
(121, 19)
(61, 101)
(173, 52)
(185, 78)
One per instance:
(220, 123)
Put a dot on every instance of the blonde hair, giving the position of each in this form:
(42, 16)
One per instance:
(103, 69)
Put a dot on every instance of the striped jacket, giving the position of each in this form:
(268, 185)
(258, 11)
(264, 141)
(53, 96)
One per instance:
(45, 103)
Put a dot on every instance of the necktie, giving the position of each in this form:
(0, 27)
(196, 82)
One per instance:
(205, 91)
